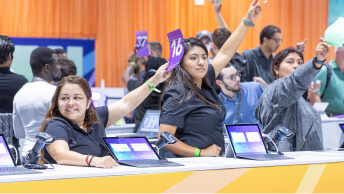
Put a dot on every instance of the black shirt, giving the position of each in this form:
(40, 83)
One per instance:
(198, 124)
(89, 142)
(10, 84)
(257, 65)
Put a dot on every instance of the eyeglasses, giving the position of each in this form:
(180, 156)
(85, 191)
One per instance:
(278, 40)
(233, 77)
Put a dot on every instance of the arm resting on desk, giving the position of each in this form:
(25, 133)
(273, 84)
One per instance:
(60, 152)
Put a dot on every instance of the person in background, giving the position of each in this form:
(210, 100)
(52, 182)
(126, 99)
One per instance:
(10, 84)
(259, 60)
(189, 98)
(239, 99)
(331, 77)
(282, 105)
(78, 127)
(155, 49)
(61, 53)
(67, 68)
(34, 99)
(152, 101)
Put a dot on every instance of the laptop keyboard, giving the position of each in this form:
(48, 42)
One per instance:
(268, 156)
(148, 162)
(16, 170)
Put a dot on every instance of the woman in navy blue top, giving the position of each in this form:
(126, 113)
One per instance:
(191, 109)
(78, 127)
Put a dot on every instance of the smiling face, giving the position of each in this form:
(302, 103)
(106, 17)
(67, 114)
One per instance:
(195, 62)
(288, 65)
(73, 103)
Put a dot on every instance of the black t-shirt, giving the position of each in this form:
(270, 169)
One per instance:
(89, 142)
(198, 124)
(10, 84)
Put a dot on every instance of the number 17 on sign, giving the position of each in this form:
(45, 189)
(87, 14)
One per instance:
(176, 48)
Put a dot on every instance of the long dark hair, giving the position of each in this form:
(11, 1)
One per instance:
(183, 79)
(90, 116)
(281, 56)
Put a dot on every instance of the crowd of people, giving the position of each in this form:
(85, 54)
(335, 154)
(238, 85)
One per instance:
(213, 82)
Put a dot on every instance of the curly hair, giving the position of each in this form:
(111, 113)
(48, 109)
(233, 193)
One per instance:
(6, 47)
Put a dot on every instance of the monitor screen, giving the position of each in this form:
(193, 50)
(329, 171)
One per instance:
(131, 148)
(150, 122)
(246, 139)
(5, 155)
(342, 126)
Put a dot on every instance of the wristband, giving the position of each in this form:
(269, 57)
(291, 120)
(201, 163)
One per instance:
(196, 152)
(247, 22)
(315, 60)
(133, 63)
(152, 87)
(89, 163)
(87, 160)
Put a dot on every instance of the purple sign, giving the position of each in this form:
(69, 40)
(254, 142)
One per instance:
(176, 48)
(141, 46)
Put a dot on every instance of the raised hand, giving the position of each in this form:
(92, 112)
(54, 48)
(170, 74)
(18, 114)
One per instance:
(217, 6)
(253, 12)
(322, 50)
(160, 75)
(300, 46)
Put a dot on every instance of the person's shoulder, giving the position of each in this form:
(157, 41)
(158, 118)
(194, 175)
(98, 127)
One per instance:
(58, 121)
(252, 51)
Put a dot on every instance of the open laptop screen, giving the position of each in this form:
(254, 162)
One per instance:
(5, 155)
(246, 139)
(342, 126)
(150, 122)
(130, 148)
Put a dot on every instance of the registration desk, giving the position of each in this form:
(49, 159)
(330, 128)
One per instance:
(318, 172)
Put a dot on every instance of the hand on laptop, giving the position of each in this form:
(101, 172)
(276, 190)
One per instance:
(103, 162)
(212, 150)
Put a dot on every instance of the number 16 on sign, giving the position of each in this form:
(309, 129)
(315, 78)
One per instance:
(176, 48)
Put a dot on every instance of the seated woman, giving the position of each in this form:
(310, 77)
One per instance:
(282, 105)
(78, 127)
(191, 109)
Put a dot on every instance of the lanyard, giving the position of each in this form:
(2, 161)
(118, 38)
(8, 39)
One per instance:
(238, 109)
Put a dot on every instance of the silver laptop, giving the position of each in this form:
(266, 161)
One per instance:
(149, 126)
(135, 151)
(7, 164)
(247, 143)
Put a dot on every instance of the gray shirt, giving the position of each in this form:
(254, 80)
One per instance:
(282, 105)
(257, 65)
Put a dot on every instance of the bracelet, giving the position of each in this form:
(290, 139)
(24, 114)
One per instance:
(247, 22)
(152, 87)
(197, 152)
(315, 60)
(133, 63)
(89, 163)
(87, 160)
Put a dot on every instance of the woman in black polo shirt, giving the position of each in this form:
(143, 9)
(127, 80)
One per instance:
(78, 127)
(191, 109)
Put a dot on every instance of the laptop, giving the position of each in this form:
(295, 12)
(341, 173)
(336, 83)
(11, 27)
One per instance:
(7, 164)
(247, 143)
(320, 107)
(149, 126)
(135, 151)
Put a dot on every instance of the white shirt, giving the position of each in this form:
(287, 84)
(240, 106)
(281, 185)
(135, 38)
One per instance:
(30, 105)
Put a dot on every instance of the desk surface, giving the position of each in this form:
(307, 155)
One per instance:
(191, 164)
(319, 172)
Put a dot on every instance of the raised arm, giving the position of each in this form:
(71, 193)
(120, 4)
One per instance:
(232, 44)
(128, 71)
(217, 9)
(130, 101)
